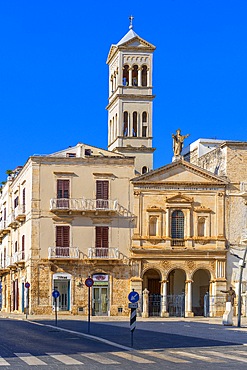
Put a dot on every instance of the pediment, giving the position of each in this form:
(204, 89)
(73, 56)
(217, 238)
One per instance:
(180, 172)
(137, 42)
(179, 198)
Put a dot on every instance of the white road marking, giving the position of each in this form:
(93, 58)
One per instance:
(67, 360)
(99, 358)
(130, 357)
(163, 356)
(197, 357)
(30, 359)
(3, 362)
(225, 355)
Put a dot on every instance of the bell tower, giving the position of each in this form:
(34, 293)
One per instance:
(131, 99)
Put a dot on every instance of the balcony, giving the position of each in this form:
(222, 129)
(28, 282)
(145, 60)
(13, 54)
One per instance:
(9, 261)
(11, 221)
(4, 227)
(19, 257)
(178, 242)
(63, 253)
(103, 253)
(20, 213)
(88, 206)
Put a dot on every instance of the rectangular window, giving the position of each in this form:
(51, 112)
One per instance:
(16, 202)
(63, 193)
(102, 194)
(62, 240)
(23, 247)
(102, 241)
(23, 199)
(71, 155)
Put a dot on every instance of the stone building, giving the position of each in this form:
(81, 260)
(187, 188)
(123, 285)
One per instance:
(228, 160)
(179, 242)
(69, 215)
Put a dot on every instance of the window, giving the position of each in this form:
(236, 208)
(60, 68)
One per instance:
(135, 76)
(125, 124)
(152, 226)
(144, 124)
(16, 202)
(23, 247)
(23, 199)
(62, 241)
(201, 226)
(63, 194)
(144, 170)
(102, 241)
(71, 155)
(87, 152)
(126, 75)
(144, 75)
(177, 228)
(102, 194)
(134, 123)
(16, 247)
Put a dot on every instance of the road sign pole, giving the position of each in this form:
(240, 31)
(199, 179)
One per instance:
(132, 324)
(55, 311)
(89, 283)
(89, 309)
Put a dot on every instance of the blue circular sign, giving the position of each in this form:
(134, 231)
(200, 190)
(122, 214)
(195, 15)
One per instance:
(55, 294)
(133, 297)
(89, 282)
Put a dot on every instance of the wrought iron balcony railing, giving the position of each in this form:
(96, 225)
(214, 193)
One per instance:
(63, 252)
(103, 253)
(18, 256)
(82, 204)
(20, 212)
(178, 242)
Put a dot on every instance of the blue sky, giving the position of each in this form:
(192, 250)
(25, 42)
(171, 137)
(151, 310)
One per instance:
(54, 77)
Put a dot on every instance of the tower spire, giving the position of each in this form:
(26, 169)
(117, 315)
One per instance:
(131, 22)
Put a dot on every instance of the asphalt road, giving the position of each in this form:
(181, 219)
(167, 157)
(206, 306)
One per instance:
(26, 345)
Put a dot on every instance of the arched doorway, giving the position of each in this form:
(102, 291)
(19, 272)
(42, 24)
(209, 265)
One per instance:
(151, 282)
(175, 300)
(201, 281)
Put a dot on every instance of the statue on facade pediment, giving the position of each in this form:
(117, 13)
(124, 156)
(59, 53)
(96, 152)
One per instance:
(178, 142)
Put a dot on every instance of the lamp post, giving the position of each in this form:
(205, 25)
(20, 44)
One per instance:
(241, 266)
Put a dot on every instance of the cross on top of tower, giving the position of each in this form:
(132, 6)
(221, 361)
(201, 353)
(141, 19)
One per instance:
(131, 22)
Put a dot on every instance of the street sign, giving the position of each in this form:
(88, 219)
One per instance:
(27, 285)
(55, 294)
(133, 305)
(89, 282)
(133, 297)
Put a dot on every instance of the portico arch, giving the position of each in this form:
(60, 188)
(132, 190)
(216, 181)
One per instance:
(200, 286)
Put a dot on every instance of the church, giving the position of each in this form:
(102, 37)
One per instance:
(107, 214)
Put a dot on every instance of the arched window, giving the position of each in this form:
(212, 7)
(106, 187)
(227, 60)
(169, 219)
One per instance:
(201, 226)
(144, 124)
(144, 75)
(115, 133)
(134, 123)
(135, 76)
(177, 228)
(152, 226)
(144, 170)
(125, 124)
(126, 75)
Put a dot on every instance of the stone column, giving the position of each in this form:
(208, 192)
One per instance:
(139, 76)
(188, 299)
(130, 77)
(145, 303)
(164, 312)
